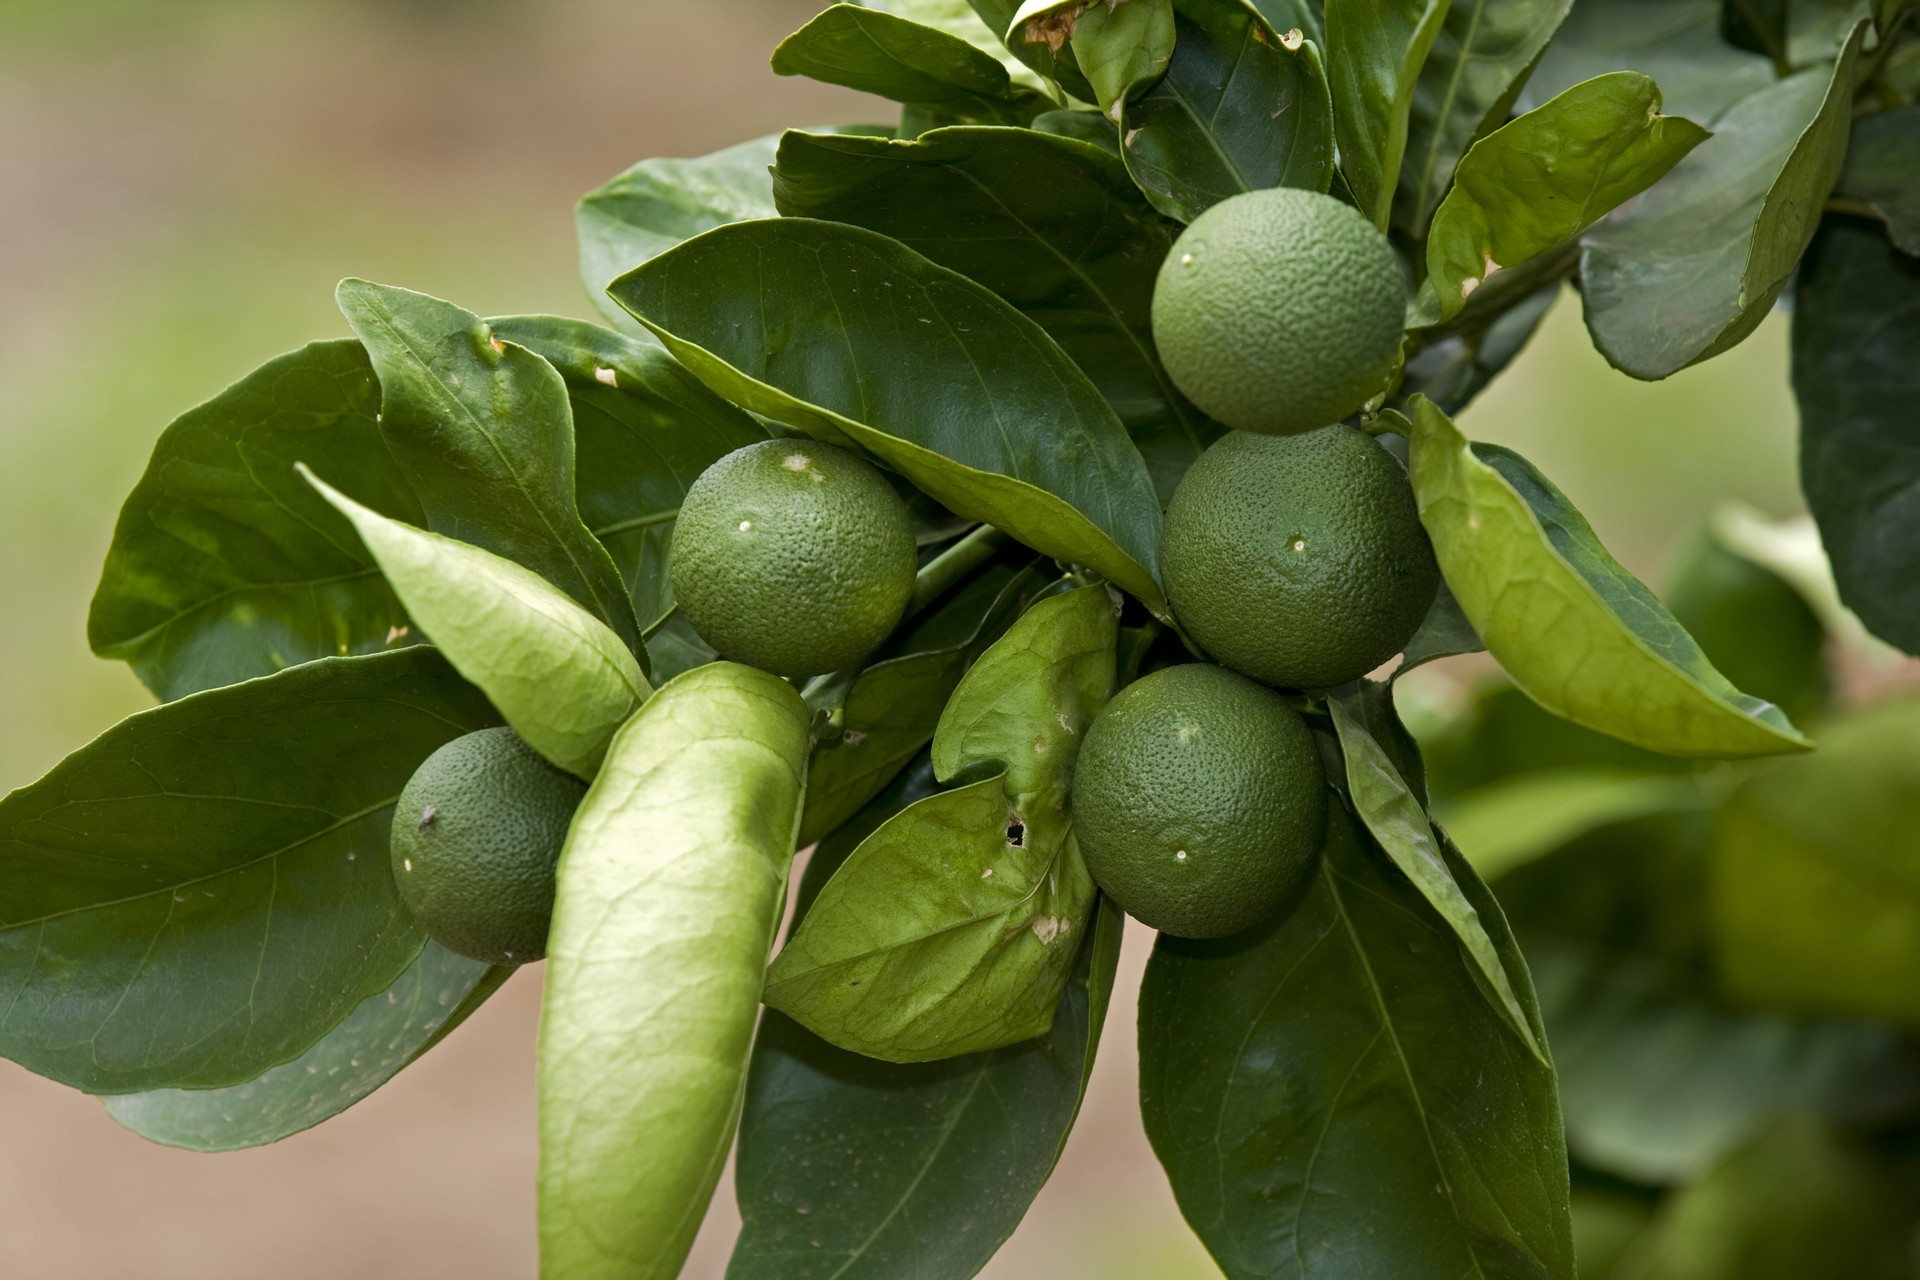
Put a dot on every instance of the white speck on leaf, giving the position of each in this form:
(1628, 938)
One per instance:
(397, 632)
(987, 875)
(1291, 40)
(601, 374)
(1049, 928)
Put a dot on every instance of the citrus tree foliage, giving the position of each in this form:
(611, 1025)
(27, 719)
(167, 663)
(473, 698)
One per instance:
(1560, 966)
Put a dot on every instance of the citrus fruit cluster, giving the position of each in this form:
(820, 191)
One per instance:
(1292, 553)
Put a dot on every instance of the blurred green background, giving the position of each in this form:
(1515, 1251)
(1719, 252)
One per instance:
(181, 184)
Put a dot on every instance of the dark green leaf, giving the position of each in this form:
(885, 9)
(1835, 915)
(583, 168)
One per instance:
(1293, 15)
(224, 565)
(1696, 263)
(1539, 181)
(1239, 109)
(952, 928)
(1331, 1095)
(658, 203)
(1856, 329)
(559, 676)
(644, 429)
(1515, 820)
(1799, 1200)
(1582, 636)
(1659, 1076)
(1392, 812)
(1089, 127)
(980, 25)
(1676, 42)
(844, 1158)
(1816, 886)
(1443, 633)
(1477, 65)
(1752, 624)
(484, 432)
(1503, 732)
(1040, 34)
(1455, 369)
(894, 705)
(203, 892)
(879, 53)
(855, 339)
(1883, 172)
(1758, 26)
(1375, 50)
(671, 886)
(388, 1031)
(1054, 227)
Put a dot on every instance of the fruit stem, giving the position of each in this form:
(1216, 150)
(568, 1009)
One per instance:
(954, 564)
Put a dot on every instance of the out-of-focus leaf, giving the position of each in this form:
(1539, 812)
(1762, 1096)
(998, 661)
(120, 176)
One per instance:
(224, 565)
(1443, 633)
(1752, 624)
(1758, 26)
(953, 927)
(644, 429)
(1694, 265)
(853, 338)
(1331, 1095)
(1539, 181)
(1577, 632)
(844, 1157)
(1518, 819)
(1453, 370)
(660, 202)
(877, 52)
(1883, 172)
(671, 886)
(1392, 812)
(367, 1049)
(1239, 109)
(1676, 42)
(1476, 67)
(1798, 1200)
(559, 675)
(202, 892)
(1375, 50)
(1660, 1076)
(483, 430)
(1053, 226)
(1856, 329)
(1816, 886)
(1502, 732)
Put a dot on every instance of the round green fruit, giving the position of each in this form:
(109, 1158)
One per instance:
(1198, 801)
(1279, 311)
(793, 556)
(476, 836)
(1298, 560)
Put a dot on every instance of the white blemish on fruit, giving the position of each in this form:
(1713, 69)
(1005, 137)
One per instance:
(746, 526)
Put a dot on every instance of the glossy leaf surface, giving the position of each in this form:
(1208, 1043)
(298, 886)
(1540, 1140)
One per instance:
(660, 202)
(202, 892)
(1390, 809)
(1237, 110)
(644, 429)
(1375, 51)
(671, 885)
(559, 676)
(1883, 172)
(880, 53)
(1121, 48)
(954, 926)
(1053, 226)
(1816, 887)
(855, 339)
(1479, 61)
(1577, 632)
(1539, 181)
(388, 1031)
(1856, 328)
(224, 565)
(844, 1160)
(1696, 263)
(484, 433)
(1331, 1095)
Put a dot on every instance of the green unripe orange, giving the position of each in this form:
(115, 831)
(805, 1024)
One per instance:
(1279, 311)
(1198, 801)
(1298, 560)
(793, 556)
(476, 838)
